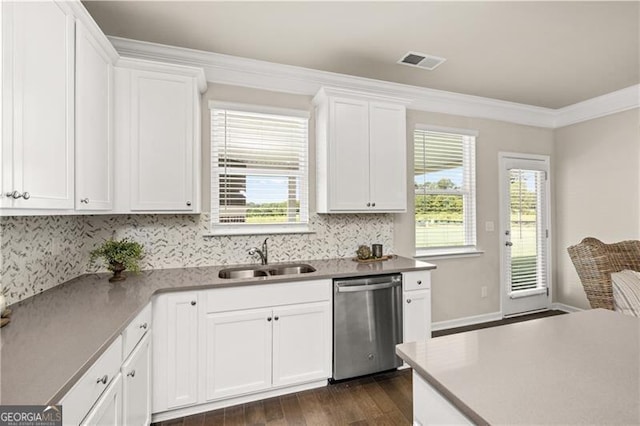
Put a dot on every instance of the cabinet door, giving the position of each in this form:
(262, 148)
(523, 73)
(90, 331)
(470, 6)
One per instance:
(301, 344)
(417, 316)
(162, 142)
(387, 152)
(349, 155)
(38, 68)
(175, 351)
(238, 352)
(136, 387)
(108, 409)
(94, 132)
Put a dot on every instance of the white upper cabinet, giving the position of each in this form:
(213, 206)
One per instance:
(158, 137)
(37, 106)
(94, 121)
(361, 152)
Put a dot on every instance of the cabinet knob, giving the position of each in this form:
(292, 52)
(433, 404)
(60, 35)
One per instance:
(188, 203)
(26, 195)
(276, 318)
(419, 282)
(104, 379)
(408, 300)
(268, 318)
(368, 204)
(193, 303)
(84, 200)
(373, 204)
(14, 194)
(131, 373)
(145, 325)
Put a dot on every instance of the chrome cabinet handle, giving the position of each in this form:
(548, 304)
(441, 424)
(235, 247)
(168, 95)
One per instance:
(269, 319)
(188, 203)
(193, 303)
(144, 326)
(419, 282)
(14, 194)
(368, 204)
(508, 244)
(131, 373)
(84, 200)
(103, 379)
(26, 195)
(276, 318)
(408, 300)
(373, 204)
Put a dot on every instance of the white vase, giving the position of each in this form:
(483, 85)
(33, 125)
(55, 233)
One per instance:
(3, 303)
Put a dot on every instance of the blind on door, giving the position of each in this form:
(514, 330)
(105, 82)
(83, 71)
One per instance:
(528, 231)
(444, 182)
(258, 168)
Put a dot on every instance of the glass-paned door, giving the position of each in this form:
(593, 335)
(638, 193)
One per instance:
(525, 234)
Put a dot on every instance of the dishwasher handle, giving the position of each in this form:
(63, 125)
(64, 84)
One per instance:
(369, 287)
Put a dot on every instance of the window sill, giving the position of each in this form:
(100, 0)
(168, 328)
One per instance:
(447, 253)
(258, 229)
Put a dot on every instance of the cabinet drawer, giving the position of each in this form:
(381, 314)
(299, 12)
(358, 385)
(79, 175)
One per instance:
(135, 330)
(80, 399)
(416, 280)
(267, 295)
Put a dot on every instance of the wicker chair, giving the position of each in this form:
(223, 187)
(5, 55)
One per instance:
(595, 261)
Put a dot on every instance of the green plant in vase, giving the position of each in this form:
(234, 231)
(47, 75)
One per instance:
(118, 256)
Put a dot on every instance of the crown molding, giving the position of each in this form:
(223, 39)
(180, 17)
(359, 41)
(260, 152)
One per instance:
(236, 71)
(82, 15)
(611, 103)
(171, 68)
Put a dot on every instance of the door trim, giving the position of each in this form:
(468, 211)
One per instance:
(503, 197)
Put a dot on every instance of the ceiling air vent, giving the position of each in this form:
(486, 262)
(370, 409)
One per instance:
(420, 60)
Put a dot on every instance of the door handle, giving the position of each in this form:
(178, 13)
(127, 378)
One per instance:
(354, 288)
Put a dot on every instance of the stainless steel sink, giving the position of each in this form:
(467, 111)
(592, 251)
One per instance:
(292, 269)
(242, 273)
(265, 271)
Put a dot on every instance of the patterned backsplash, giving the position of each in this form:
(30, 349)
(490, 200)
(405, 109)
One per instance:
(40, 252)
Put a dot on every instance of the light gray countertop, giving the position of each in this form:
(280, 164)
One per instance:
(55, 336)
(580, 368)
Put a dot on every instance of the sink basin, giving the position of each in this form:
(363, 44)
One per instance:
(292, 270)
(242, 273)
(262, 271)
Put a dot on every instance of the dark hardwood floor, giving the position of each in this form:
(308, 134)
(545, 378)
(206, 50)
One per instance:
(381, 399)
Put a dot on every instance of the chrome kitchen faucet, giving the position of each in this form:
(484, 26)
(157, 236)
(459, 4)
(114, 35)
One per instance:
(264, 253)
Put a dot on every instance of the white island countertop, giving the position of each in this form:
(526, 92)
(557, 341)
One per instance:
(580, 368)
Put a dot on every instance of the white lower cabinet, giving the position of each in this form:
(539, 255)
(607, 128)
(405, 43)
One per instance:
(175, 350)
(113, 392)
(301, 341)
(136, 385)
(108, 409)
(248, 341)
(431, 408)
(416, 306)
(238, 352)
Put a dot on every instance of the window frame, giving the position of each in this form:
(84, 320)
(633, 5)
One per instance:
(217, 228)
(468, 193)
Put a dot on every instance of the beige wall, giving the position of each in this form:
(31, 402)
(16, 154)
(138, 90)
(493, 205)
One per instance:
(597, 165)
(457, 282)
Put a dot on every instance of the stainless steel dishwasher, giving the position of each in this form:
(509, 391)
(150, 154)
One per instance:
(367, 325)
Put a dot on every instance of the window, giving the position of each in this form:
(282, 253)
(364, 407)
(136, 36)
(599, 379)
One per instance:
(259, 179)
(444, 181)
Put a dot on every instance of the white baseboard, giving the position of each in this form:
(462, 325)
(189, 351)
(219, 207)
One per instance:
(565, 308)
(462, 322)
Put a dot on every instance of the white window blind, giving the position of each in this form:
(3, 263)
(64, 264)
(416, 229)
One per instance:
(444, 181)
(258, 168)
(527, 253)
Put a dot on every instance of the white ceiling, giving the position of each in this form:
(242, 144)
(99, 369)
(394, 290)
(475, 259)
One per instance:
(549, 54)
